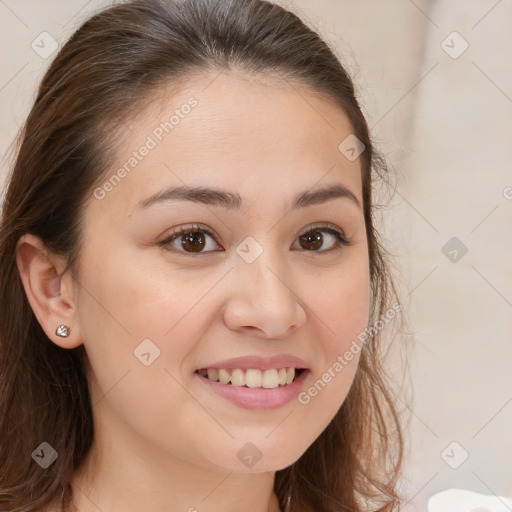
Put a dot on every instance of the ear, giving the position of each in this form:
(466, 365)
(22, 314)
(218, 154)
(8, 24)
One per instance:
(50, 295)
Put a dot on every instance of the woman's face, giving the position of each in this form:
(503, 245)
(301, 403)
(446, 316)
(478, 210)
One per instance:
(152, 312)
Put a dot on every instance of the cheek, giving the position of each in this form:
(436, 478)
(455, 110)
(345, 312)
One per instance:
(124, 304)
(339, 303)
(125, 307)
(341, 306)
(136, 301)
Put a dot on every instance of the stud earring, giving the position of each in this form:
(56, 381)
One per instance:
(62, 331)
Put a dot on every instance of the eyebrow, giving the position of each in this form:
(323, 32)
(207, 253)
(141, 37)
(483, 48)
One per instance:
(230, 200)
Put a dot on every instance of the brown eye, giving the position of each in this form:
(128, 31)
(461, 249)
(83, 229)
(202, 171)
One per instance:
(189, 240)
(311, 241)
(193, 241)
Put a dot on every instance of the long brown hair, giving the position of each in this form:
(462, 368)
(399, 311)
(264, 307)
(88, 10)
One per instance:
(106, 72)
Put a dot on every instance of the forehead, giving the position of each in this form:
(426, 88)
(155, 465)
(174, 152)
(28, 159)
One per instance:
(256, 133)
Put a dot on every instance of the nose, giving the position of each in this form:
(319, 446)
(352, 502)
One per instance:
(263, 301)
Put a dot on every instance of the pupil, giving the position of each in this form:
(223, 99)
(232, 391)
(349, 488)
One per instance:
(195, 238)
(314, 238)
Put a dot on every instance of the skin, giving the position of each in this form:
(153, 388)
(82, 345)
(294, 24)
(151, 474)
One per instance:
(163, 441)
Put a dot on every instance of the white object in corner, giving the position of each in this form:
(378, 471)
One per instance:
(463, 500)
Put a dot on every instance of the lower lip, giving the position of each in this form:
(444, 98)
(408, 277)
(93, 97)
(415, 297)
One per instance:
(257, 398)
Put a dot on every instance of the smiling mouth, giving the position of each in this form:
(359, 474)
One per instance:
(252, 377)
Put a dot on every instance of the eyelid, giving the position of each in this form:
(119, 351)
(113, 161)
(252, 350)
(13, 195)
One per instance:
(192, 227)
(321, 226)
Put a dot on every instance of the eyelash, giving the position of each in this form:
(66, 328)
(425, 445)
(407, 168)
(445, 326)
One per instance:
(342, 240)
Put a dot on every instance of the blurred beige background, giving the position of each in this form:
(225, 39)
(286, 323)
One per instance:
(436, 83)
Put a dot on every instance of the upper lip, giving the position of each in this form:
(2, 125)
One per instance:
(260, 362)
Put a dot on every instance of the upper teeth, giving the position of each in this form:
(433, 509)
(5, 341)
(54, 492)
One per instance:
(252, 378)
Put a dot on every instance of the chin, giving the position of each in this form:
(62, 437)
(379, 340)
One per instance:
(276, 462)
